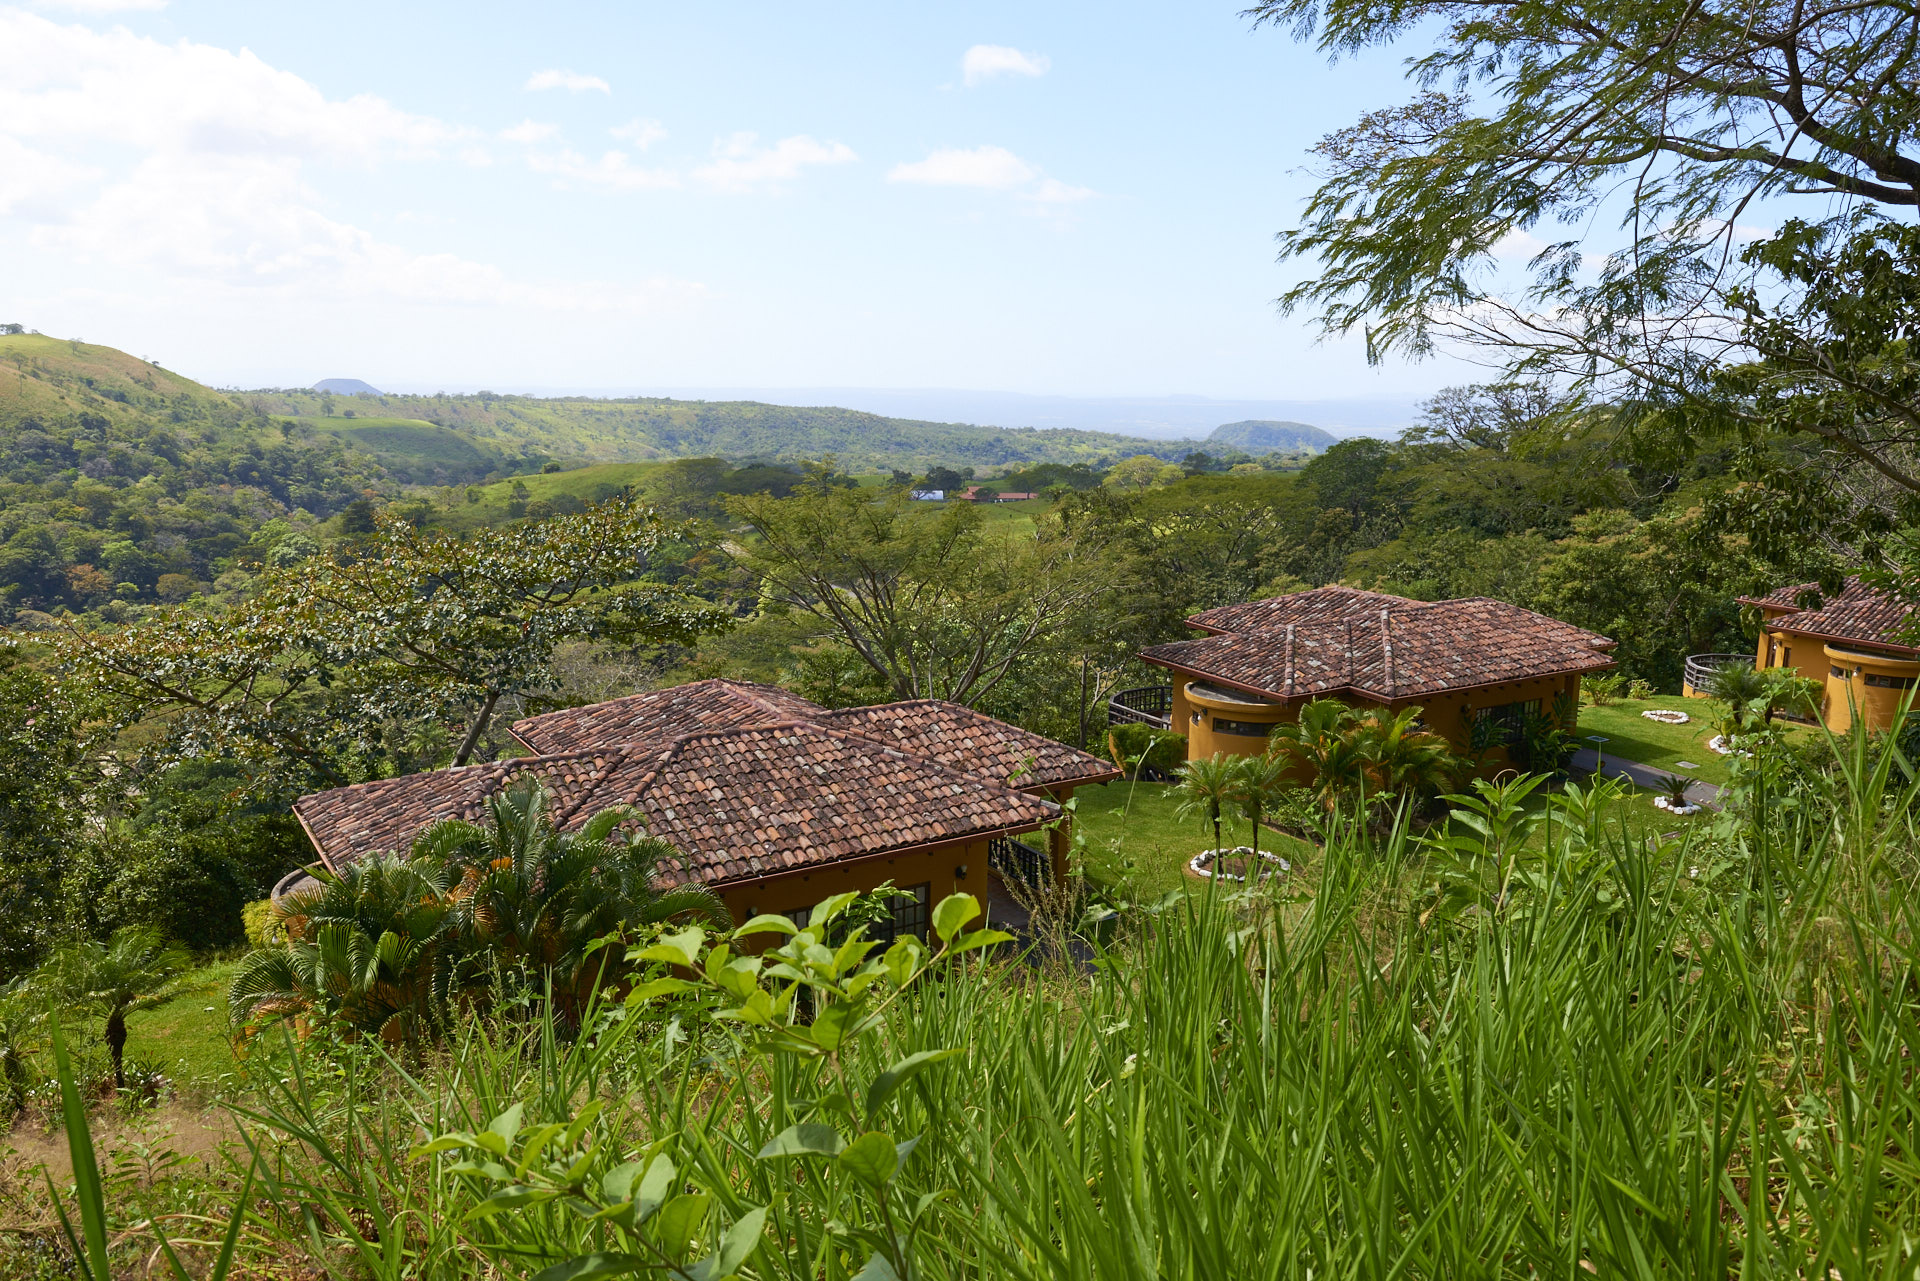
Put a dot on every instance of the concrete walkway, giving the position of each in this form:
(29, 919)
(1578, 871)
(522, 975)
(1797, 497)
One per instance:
(1587, 761)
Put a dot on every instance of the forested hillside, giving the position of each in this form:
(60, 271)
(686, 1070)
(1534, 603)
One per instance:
(582, 430)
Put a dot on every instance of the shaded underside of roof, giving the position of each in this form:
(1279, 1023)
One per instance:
(1391, 652)
(660, 715)
(1858, 613)
(738, 803)
(963, 739)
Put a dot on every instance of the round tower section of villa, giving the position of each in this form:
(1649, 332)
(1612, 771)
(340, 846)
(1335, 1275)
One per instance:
(1856, 642)
(1866, 686)
(1227, 722)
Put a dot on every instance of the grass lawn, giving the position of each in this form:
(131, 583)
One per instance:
(1633, 737)
(188, 1035)
(1139, 839)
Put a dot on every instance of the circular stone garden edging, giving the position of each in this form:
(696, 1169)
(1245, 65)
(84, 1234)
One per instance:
(1201, 864)
(1666, 716)
(1683, 811)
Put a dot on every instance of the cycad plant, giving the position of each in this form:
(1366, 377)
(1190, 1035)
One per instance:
(1403, 759)
(1207, 789)
(537, 899)
(371, 948)
(135, 970)
(389, 945)
(1323, 740)
(1261, 779)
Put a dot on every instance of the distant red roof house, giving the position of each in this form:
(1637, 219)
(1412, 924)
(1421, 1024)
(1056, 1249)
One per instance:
(759, 789)
(1858, 614)
(1854, 644)
(1456, 658)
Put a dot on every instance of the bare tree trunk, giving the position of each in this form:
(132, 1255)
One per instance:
(479, 727)
(117, 1047)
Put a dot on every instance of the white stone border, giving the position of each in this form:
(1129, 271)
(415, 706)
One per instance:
(1666, 716)
(1201, 864)
(1718, 743)
(1683, 811)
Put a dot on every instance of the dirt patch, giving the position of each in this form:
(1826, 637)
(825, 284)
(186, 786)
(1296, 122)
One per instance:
(142, 1147)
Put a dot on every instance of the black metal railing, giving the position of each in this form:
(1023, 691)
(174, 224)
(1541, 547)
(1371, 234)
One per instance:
(1701, 667)
(1018, 861)
(1147, 705)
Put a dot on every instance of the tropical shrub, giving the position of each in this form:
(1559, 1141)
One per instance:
(1139, 750)
(1603, 690)
(135, 970)
(392, 946)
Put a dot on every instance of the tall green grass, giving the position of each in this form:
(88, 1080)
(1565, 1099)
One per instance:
(1639, 1059)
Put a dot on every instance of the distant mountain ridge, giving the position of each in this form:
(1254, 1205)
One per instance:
(1258, 436)
(346, 387)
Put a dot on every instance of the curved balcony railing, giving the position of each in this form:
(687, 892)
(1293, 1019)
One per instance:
(1147, 705)
(1701, 667)
(1019, 861)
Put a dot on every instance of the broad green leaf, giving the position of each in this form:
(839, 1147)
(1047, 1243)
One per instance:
(825, 910)
(656, 988)
(851, 953)
(877, 1269)
(655, 1184)
(764, 923)
(899, 1074)
(677, 949)
(679, 1223)
(980, 938)
(871, 1158)
(514, 1198)
(445, 1143)
(953, 912)
(835, 1024)
(616, 1184)
(738, 1243)
(805, 1139)
(507, 1124)
(589, 1266)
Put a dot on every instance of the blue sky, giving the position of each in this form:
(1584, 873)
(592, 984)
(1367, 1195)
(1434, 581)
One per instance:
(643, 194)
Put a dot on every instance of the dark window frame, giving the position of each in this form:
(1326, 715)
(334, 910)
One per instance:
(1243, 729)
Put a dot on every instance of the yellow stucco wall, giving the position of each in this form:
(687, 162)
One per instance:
(1446, 714)
(1849, 693)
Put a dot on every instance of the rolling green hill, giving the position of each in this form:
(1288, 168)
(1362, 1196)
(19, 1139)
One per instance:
(417, 452)
(582, 430)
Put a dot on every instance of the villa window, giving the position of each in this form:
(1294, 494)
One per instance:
(1839, 673)
(1245, 729)
(908, 915)
(1511, 717)
(1891, 682)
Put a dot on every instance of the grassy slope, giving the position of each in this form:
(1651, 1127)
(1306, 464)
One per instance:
(1633, 737)
(189, 1035)
(1133, 835)
(54, 377)
(402, 442)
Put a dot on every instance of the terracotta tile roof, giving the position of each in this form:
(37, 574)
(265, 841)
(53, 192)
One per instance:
(661, 715)
(386, 814)
(739, 803)
(1859, 614)
(744, 803)
(1315, 606)
(966, 740)
(1390, 649)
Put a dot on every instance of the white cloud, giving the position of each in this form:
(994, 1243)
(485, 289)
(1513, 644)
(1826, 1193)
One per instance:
(188, 165)
(531, 131)
(741, 163)
(572, 81)
(640, 133)
(993, 167)
(613, 171)
(984, 61)
(1052, 191)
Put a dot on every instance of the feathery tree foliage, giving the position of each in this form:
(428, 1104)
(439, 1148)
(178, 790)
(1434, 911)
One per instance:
(1628, 148)
(403, 625)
